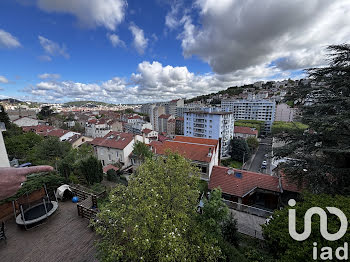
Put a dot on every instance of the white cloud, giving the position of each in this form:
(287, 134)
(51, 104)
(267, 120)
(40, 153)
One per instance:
(7, 40)
(172, 20)
(49, 76)
(90, 13)
(52, 48)
(3, 80)
(152, 82)
(232, 35)
(140, 42)
(115, 40)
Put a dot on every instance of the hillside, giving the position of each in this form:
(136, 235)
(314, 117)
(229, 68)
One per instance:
(86, 104)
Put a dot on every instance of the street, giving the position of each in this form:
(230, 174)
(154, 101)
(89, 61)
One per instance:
(263, 153)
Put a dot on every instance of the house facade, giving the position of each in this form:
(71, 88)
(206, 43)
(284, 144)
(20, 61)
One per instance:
(116, 147)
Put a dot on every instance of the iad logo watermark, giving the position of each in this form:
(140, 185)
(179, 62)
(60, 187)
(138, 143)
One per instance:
(341, 253)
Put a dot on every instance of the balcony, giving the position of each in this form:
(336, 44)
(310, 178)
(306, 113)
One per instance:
(198, 120)
(201, 131)
(198, 125)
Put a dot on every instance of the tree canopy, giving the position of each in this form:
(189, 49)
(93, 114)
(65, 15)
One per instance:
(141, 151)
(322, 153)
(285, 248)
(239, 149)
(154, 218)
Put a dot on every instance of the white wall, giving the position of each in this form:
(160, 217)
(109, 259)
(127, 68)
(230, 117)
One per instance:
(4, 161)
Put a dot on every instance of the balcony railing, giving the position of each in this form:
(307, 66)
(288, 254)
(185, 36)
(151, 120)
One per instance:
(248, 209)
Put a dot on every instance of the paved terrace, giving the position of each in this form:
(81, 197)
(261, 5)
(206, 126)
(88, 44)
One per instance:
(64, 237)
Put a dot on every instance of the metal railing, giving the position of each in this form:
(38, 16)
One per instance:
(248, 209)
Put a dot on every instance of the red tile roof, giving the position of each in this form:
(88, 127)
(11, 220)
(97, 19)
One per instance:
(196, 140)
(195, 152)
(147, 131)
(57, 132)
(163, 138)
(246, 130)
(164, 116)
(109, 167)
(113, 139)
(232, 185)
(39, 129)
(172, 120)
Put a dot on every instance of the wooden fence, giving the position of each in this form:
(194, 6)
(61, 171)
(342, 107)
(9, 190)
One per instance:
(87, 208)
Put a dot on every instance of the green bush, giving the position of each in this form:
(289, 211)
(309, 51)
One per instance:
(112, 175)
(73, 179)
(51, 180)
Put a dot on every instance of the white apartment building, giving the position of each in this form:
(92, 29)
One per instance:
(214, 125)
(171, 107)
(263, 110)
(192, 107)
(285, 113)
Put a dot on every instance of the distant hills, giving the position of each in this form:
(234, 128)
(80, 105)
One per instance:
(11, 100)
(87, 104)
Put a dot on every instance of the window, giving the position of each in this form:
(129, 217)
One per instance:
(109, 157)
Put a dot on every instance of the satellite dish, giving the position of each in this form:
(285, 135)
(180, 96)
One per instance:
(230, 171)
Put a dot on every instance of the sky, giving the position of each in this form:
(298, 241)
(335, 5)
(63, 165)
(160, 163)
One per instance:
(129, 51)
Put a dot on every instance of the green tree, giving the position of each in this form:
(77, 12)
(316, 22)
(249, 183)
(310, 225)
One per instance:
(322, 153)
(49, 151)
(91, 169)
(45, 112)
(285, 248)
(280, 128)
(239, 149)
(142, 151)
(154, 217)
(253, 143)
(4, 117)
(215, 213)
(230, 230)
(19, 146)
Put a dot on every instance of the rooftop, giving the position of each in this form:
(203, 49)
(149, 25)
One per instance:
(113, 139)
(191, 151)
(241, 182)
(245, 130)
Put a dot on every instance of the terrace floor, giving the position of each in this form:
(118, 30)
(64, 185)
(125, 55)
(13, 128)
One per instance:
(64, 237)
